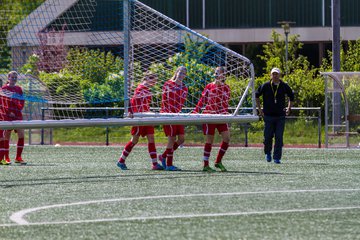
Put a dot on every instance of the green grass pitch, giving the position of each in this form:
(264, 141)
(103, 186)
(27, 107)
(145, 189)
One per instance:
(79, 193)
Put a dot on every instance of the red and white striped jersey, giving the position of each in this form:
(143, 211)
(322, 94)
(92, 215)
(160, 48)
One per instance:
(215, 98)
(141, 100)
(173, 97)
(11, 102)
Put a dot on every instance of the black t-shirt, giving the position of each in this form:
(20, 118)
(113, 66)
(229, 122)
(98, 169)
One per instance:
(274, 97)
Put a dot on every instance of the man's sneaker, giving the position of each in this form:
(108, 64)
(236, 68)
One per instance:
(220, 166)
(4, 162)
(172, 168)
(268, 157)
(20, 161)
(208, 169)
(122, 166)
(157, 167)
(277, 161)
(163, 161)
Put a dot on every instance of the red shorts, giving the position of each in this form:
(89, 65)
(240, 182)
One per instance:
(174, 130)
(209, 129)
(142, 130)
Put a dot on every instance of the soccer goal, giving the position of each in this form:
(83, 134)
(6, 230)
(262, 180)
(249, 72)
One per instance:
(77, 59)
(342, 109)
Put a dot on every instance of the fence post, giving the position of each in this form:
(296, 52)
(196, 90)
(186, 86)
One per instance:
(42, 129)
(107, 128)
(246, 135)
(319, 128)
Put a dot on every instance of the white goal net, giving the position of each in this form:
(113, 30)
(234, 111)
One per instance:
(81, 61)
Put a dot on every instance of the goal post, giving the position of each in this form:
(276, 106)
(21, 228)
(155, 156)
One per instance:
(82, 54)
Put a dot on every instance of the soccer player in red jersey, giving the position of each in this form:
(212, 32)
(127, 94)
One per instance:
(140, 102)
(215, 97)
(173, 99)
(12, 103)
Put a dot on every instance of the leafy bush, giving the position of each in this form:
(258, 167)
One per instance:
(352, 92)
(64, 84)
(307, 85)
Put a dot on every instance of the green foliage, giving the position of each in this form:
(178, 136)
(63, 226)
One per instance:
(352, 91)
(30, 67)
(198, 74)
(12, 11)
(302, 78)
(93, 65)
(307, 86)
(349, 62)
(111, 91)
(63, 84)
(91, 75)
(349, 58)
(274, 54)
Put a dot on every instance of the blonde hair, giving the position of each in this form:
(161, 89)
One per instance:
(179, 69)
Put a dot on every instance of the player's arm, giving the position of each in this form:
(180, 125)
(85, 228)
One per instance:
(183, 96)
(290, 94)
(202, 100)
(228, 93)
(164, 97)
(130, 110)
(288, 109)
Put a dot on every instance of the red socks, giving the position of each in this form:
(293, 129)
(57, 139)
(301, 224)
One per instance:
(152, 153)
(223, 147)
(2, 149)
(6, 149)
(19, 148)
(127, 150)
(207, 151)
(169, 156)
(175, 146)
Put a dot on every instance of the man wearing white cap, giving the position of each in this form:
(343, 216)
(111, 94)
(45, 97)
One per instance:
(274, 112)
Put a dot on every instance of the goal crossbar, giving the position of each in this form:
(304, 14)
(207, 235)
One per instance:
(116, 122)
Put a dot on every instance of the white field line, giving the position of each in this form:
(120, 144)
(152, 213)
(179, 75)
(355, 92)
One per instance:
(18, 217)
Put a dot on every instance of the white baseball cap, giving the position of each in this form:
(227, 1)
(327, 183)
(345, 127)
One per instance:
(275, 70)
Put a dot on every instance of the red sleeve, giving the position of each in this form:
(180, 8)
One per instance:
(183, 96)
(202, 100)
(164, 97)
(226, 100)
(228, 93)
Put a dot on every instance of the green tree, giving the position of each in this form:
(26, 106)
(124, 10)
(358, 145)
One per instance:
(12, 12)
(302, 77)
(349, 58)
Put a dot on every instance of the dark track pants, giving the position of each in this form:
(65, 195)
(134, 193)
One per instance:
(274, 126)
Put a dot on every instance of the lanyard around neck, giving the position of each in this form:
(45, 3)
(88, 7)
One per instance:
(274, 92)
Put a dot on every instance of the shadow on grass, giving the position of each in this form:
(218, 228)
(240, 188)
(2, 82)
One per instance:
(29, 165)
(131, 177)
